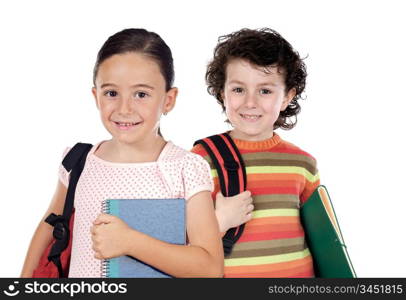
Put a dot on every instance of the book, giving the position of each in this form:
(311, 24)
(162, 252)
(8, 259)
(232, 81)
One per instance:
(324, 237)
(163, 219)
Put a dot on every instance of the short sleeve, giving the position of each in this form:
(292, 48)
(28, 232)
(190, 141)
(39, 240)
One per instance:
(62, 173)
(196, 175)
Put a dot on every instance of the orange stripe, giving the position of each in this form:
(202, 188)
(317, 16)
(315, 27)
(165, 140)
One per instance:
(273, 183)
(274, 228)
(308, 190)
(275, 176)
(302, 272)
(276, 235)
(275, 190)
(276, 267)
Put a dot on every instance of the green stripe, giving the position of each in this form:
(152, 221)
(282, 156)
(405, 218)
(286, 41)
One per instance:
(262, 260)
(277, 170)
(287, 212)
(284, 170)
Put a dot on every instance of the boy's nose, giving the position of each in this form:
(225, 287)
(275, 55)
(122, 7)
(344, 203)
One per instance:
(251, 101)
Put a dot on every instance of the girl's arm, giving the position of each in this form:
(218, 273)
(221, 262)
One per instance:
(43, 234)
(203, 257)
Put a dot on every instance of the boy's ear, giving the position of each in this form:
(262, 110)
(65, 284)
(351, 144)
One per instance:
(94, 92)
(223, 98)
(170, 100)
(288, 97)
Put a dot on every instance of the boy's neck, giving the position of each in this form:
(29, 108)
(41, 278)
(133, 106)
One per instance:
(258, 144)
(236, 134)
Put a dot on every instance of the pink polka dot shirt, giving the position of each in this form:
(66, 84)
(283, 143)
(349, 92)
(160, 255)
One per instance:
(177, 173)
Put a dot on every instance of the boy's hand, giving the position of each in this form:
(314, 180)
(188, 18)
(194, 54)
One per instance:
(109, 236)
(233, 211)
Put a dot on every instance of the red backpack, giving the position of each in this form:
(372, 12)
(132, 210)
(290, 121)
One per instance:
(55, 261)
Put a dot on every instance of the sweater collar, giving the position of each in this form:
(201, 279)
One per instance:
(257, 145)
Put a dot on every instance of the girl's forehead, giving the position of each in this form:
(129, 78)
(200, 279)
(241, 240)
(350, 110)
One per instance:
(129, 68)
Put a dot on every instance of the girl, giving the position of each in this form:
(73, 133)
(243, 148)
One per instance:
(133, 78)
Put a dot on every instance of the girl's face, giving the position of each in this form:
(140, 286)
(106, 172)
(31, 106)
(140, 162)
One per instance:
(130, 95)
(253, 99)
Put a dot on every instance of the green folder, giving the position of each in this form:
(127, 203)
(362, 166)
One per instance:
(324, 238)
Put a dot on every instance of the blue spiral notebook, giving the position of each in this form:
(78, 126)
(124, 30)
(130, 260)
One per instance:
(163, 219)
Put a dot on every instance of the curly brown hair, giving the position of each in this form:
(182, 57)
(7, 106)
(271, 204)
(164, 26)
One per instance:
(265, 48)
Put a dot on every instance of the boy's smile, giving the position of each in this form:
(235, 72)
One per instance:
(253, 97)
(250, 117)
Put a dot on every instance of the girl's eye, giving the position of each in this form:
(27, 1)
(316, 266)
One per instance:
(110, 93)
(141, 95)
(237, 90)
(264, 91)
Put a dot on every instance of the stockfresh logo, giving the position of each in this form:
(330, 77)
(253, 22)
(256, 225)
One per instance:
(12, 291)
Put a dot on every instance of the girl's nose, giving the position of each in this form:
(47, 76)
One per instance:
(125, 106)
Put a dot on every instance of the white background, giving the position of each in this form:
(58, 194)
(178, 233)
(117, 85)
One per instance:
(352, 120)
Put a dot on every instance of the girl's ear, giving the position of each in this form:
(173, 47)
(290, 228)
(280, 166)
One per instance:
(94, 92)
(170, 100)
(288, 97)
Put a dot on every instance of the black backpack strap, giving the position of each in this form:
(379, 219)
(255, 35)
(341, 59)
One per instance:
(73, 162)
(232, 176)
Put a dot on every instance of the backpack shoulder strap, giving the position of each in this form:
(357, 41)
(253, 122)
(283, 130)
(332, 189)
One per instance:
(232, 176)
(74, 162)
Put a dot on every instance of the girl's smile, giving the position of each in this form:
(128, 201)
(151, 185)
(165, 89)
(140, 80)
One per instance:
(131, 95)
(126, 125)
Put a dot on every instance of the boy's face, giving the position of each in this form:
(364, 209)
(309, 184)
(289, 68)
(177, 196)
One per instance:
(253, 99)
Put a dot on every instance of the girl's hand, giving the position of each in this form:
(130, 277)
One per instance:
(233, 211)
(109, 236)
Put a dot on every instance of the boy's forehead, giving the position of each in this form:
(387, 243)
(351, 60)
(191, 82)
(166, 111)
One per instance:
(238, 69)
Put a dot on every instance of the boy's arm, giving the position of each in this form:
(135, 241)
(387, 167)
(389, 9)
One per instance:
(312, 181)
(203, 257)
(233, 211)
(230, 211)
(43, 234)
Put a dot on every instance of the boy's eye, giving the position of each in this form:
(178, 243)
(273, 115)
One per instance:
(110, 93)
(237, 90)
(264, 91)
(141, 95)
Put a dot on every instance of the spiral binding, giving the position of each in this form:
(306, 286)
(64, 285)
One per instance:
(105, 265)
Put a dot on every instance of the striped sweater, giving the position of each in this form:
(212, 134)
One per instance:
(280, 177)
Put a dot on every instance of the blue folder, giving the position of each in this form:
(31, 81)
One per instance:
(163, 219)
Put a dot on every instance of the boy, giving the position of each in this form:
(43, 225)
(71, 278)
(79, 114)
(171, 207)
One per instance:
(258, 78)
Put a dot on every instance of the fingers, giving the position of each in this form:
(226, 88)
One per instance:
(250, 208)
(246, 194)
(103, 218)
(248, 217)
(97, 255)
